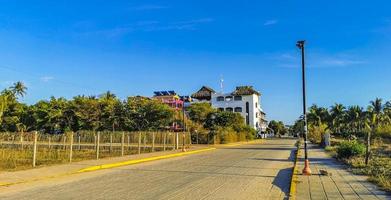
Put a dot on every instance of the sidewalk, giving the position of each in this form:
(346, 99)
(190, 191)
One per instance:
(338, 184)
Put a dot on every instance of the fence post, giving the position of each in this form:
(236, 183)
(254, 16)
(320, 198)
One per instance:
(144, 141)
(64, 141)
(183, 141)
(35, 148)
(49, 142)
(153, 141)
(97, 145)
(177, 140)
(70, 146)
(111, 143)
(128, 141)
(164, 140)
(139, 142)
(95, 141)
(174, 141)
(79, 141)
(21, 140)
(122, 143)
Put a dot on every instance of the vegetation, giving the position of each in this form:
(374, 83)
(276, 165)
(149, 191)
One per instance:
(349, 149)
(219, 126)
(357, 133)
(278, 127)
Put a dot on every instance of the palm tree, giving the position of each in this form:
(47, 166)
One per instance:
(19, 89)
(374, 117)
(337, 113)
(353, 118)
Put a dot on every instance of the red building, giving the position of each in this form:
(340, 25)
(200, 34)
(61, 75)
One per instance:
(174, 101)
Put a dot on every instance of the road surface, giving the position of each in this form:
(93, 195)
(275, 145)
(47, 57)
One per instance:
(252, 171)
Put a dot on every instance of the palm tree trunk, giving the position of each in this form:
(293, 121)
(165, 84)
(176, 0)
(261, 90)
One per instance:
(368, 148)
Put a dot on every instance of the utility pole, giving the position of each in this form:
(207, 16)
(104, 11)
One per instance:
(306, 170)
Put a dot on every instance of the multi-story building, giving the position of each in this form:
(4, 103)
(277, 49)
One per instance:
(244, 100)
(174, 101)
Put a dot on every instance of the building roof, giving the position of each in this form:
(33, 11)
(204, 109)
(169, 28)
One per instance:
(245, 90)
(204, 93)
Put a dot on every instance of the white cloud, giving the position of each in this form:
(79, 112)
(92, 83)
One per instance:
(149, 7)
(342, 62)
(46, 78)
(149, 26)
(270, 22)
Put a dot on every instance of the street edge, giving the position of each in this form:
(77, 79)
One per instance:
(137, 161)
(295, 177)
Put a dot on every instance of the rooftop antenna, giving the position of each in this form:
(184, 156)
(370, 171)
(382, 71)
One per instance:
(222, 84)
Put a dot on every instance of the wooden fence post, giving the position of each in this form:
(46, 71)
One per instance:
(49, 142)
(145, 141)
(97, 145)
(111, 143)
(183, 141)
(35, 148)
(70, 146)
(174, 141)
(177, 140)
(164, 140)
(139, 142)
(153, 141)
(21, 140)
(95, 141)
(122, 143)
(79, 141)
(128, 141)
(64, 141)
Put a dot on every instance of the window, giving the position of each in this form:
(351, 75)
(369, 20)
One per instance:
(220, 109)
(256, 104)
(228, 98)
(238, 109)
(257, 125)
(220, 98)
(256, 114)
(229, 109)
(237, 98)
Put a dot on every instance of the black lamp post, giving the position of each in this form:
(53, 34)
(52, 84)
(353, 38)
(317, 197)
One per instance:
(306, 170)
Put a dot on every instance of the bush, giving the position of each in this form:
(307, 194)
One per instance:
(349, 149)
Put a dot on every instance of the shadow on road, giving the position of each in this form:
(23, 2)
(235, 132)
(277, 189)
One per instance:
(282, 180)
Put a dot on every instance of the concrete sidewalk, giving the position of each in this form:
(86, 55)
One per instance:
(339, 184)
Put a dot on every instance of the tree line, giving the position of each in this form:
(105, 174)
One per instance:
(350, 122)
(108, 112)
(96, 113)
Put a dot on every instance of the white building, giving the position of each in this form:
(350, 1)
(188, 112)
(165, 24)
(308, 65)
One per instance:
(244, 100)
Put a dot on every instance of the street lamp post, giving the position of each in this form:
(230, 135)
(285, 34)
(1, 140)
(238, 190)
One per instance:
(306, 170)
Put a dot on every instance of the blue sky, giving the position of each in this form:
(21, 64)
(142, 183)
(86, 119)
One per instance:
(66, 48)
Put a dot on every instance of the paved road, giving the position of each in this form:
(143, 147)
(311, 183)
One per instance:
(253, 171)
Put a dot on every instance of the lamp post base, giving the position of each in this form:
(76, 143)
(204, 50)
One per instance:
(307, 170)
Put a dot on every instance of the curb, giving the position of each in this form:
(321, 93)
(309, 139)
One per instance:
(295, 178)
(132, 162)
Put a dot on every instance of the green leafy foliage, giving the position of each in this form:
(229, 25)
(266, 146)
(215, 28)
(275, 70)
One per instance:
(349, 149)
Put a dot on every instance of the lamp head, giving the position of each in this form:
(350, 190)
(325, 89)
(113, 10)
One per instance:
(300, 44)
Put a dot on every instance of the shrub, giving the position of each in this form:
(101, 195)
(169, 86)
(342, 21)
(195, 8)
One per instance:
(349, 149)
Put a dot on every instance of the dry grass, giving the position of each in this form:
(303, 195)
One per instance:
(17, 155)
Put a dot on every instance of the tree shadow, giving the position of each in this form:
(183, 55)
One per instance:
(282, 181)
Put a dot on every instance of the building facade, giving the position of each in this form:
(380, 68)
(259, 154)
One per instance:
(244, 100)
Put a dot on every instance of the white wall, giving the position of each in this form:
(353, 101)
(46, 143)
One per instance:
(253, 101)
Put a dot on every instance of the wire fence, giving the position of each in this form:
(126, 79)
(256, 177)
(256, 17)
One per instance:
(26, 150)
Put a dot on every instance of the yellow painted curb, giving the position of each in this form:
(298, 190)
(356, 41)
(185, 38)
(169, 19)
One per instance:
(295, 178)
(132, 162)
